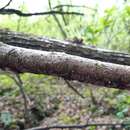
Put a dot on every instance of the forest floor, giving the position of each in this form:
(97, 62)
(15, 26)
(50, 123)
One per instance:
(65, 108)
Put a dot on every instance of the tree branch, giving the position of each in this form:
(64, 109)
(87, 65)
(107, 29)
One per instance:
(47, 44)
(20, 13)
(64, 65)
(77, 126)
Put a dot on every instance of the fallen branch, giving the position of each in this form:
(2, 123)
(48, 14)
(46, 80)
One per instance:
(64, 65)
(77, 126)
(46, 44)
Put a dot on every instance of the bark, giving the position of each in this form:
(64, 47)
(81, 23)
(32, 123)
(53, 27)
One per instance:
(64, 65)
(42, 43)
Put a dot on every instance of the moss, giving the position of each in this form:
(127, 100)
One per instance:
(67, 119)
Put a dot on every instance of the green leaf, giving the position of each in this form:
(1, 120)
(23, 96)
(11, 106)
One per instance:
(6, 117)
(127, 9)
(111, 10)
(92, 128)
(120, 115)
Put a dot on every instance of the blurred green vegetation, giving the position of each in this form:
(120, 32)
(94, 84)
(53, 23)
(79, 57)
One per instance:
(110, 31)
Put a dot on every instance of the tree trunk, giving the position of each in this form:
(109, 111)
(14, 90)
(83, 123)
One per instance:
(64, 65)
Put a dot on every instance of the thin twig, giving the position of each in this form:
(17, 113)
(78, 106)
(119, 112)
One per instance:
(73, 6)
(57, 21)
(19, 82)
(6, 5)
(74, 89)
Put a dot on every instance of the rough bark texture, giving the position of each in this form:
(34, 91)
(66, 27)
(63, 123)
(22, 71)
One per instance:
(42, 43)
(64, 65)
